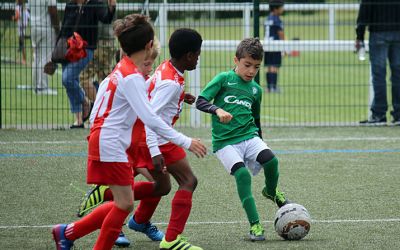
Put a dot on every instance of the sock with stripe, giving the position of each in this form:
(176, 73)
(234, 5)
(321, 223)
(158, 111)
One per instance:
(111, 228)
(89, 223)
(181, 206)
(243, 184)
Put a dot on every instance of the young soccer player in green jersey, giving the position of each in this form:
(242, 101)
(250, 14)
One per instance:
(236, 130)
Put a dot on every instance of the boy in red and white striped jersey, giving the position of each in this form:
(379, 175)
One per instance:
(119, 104)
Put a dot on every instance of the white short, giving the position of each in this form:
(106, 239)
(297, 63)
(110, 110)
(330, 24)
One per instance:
(245, 151)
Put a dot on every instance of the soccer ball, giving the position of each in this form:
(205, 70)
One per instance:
(292, 222)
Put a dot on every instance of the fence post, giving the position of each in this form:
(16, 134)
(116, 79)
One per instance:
(256, 16)
(331, 23)
(163, 16)
(194, 79)
(1, 87)
(246, 21)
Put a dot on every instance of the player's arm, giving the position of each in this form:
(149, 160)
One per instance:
(281, 34)
(256, 110)
(52, 9)
(15, 17)
(106, 12)
(166, 92)
(363, 18)
(278, 24)
(133, 87)
(204, 104)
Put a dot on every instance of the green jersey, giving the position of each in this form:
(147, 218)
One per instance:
(240, 98)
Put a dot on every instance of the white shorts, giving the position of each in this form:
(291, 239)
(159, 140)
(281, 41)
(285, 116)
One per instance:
(245, 151)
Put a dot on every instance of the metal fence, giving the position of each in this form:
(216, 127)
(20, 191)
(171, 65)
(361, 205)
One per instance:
(322, 82)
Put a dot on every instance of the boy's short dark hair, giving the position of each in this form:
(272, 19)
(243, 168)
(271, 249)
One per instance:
(183, 41)
(250, 47)
(275, 4)
(133, 32)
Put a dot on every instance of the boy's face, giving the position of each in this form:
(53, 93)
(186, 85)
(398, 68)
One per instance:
(247, 67)
(147, 67)
(191, 60)
(279, 10)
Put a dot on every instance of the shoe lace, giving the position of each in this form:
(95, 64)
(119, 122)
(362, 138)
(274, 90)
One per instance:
(183, 238)
(280, 196)
(152, 228)
(257, 229)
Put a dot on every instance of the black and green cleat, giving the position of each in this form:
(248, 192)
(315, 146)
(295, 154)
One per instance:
(257, 232)
(93, 198)
(279, 198)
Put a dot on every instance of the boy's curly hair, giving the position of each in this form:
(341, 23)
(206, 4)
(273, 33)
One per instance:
(250, 47)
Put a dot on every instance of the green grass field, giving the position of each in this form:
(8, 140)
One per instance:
(319, 88)
(348, 179)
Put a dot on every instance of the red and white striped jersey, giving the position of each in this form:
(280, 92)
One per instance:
(120, 101)
(166, 93)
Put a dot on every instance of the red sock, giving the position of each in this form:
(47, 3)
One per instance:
(143, 189)
(89, 223)
(146, 209)
(111, 228)
(108, 196)
(181, 205)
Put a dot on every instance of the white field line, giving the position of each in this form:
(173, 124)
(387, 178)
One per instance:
(231, 222)
(209, 140)
(42, 142)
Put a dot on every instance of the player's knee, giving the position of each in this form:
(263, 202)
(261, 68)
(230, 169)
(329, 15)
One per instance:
(236, 167)
(126, 205)
(265, 156)
(243, 177)
(194, 182)
(162, 189)
(189, 183)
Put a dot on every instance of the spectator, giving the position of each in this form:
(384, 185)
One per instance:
(92, 11)
(383, 21)
(273, 31)
(21, 16)
(44, 30)
(101, 65)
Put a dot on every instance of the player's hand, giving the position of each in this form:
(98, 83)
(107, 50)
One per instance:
(198, 148)
(189, 98)
(223, 116)
(159, 164)
(50, 68)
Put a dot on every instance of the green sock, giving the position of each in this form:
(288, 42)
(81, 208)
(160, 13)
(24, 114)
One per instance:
(243, 183)
(271, 174)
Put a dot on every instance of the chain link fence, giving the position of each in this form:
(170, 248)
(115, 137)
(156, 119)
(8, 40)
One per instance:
(321, 81)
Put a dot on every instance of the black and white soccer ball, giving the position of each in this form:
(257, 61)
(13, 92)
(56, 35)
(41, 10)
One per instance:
(292, 222)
